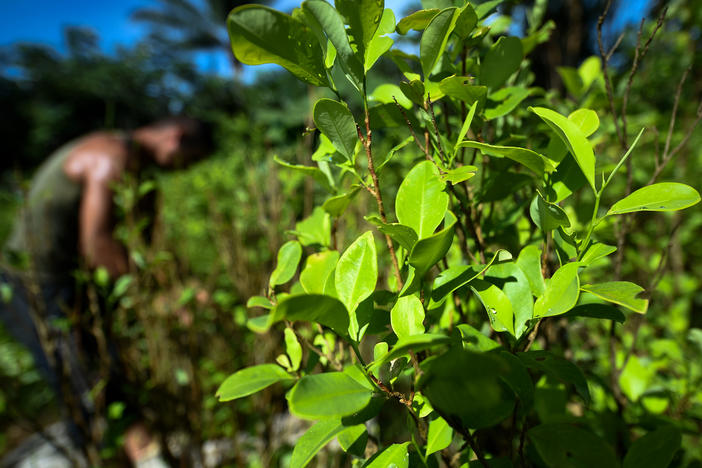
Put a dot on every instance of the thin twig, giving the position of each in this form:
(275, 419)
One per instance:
(424, 149)
(376, 192)
(605, 59)
(429, 106)
(639, 54)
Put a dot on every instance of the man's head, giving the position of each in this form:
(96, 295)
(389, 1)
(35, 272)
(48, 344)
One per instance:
(176, 142)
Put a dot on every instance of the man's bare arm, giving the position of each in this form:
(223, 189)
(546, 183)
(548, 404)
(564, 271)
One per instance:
(97, 169)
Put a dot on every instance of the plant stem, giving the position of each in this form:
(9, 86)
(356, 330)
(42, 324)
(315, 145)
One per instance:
(376, 189)
(592, 224)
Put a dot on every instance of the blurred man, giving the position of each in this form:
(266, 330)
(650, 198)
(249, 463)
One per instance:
(68, 222)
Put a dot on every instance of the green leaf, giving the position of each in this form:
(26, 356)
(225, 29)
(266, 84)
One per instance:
(518, 379)
(459, 174)
(417, 21)
(336, 205)
(314, 172)
(665, 196)
(596, 251)
(466, 126)
(526, 157)
(435, 37)
(654, 450)
(293, 349)
(466, 386)
(317, 270)
(250, 380)
(410, 343)
(388, 92)
(395, 456)
(315, 229)
(561, 293)
(567, 446)
(529, 261)
(460, 87)
(510, 98)
(288, 258)
(414, 91)
(380, 43)
(501, 61)
(407, 317)
(474, 340)
(259, 301)
(456, 276)
(497, 305)
(574, 139)
(325, 310)
(259, 34)
(421, 201)
(362, 18)
(600, 311)
(586, 120)
(332, 394)
(333, 25)
(403, 235)
(439, 436)
(557, 368)
(313, 441)
(619, 292)
(547, 216)
(484, 8)
(393, 151)
(514, 283)
(428, 251)
(353, 439)
(466, 21)
(335, 121)
(357, 271)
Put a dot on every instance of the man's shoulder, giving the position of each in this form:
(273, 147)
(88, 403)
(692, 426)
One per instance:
(99, 156)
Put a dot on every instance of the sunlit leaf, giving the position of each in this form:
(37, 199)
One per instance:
(547, 216)
(529, 261)
(250, 380)
(497, 305)
(259, 34)
(312, 308)
(332, 394)
(439, 435)
(421, 201)
(313, 440)
(395, 456)
(561, 294)
(356, 272)
(665, 196)
(622, 293)
(407, 317)
(586, 120)
(417, 21)
(288, 258)
(526, 157)
(335, 121)
(571, 135)
(317, 269)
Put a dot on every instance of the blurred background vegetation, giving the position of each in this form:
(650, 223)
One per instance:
(221, 222)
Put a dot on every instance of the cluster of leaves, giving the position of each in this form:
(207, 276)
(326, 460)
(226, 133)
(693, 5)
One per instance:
(490, 238)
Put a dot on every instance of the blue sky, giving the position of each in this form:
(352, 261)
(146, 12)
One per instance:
(43, 21)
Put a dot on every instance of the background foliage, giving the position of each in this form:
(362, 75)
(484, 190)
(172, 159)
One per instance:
(221, 224)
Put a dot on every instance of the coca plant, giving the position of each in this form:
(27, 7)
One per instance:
(438, 304)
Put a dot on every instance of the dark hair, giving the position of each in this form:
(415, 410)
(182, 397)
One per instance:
(198, 135)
